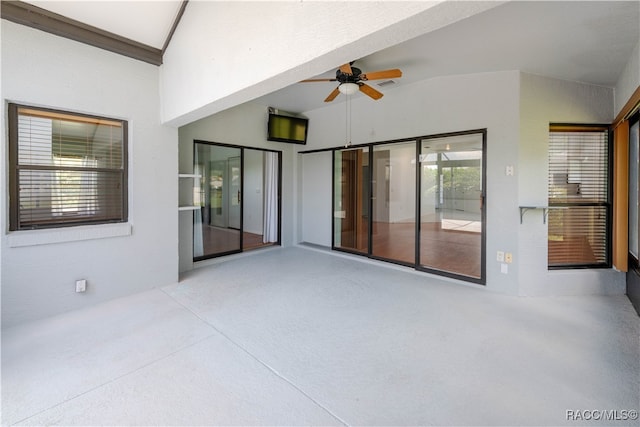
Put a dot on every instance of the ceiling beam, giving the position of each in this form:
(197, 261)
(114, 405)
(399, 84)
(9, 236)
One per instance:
(41, 19)
(176, 21)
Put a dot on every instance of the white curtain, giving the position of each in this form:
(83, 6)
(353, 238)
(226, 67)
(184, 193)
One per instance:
(270, 227)
(198, 244)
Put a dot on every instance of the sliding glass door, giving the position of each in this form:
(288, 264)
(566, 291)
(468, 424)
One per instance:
(216, 225)
(633, 274)
(351, 200)
(393, 185)
(239, 197)
(379, 194)
(451, 204)
(634, 179)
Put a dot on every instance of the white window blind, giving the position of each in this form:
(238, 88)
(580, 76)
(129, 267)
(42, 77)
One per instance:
(579, 197)
(66, 169)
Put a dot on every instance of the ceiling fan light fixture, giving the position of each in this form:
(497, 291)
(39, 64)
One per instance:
(348, 88)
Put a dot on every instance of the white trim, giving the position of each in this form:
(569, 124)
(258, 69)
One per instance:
(18, 239)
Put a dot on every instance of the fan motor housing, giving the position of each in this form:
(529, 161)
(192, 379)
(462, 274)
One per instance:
(348, 78)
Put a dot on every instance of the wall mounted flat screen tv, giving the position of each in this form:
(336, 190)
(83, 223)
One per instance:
(287, 129)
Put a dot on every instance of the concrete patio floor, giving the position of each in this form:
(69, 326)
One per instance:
(296, 336)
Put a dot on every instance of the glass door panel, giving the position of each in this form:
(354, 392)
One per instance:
(375, 195)
(393, 194)
(260, 220)
(235, 191)
(216, 225)
(451, 204)
(633, 189)
(351, 200)
(633, 278)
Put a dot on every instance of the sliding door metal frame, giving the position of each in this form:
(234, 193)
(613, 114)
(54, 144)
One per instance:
(418, 148)
(634, 265)
(483, 213)
(633, 274)
(242, 198)
(371, 255)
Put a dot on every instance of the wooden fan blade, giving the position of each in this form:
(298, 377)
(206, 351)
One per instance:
(369, 91)
(346, 68)
(318, 80)
(377, 75)
(332, 95)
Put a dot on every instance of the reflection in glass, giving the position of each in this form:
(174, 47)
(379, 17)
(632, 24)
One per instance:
(633, 189)
(393, 189)
(216, 225)
(351, 200)
(451, 204)
(229, 219)
(375, 196)
(580, 197)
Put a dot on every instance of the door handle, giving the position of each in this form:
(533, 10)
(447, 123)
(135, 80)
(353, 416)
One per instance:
(238, 196)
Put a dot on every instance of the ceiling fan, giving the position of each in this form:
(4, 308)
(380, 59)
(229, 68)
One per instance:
(352, 79)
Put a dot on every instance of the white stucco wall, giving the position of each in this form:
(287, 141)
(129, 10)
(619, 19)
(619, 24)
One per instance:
(39, 280)
(543, 101)
(246, 126)
(628, 81)
(516, 109)
(315, 198)
(446, 104)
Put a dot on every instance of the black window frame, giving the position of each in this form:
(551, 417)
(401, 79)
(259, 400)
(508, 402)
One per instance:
(15, 223)
(566, 204)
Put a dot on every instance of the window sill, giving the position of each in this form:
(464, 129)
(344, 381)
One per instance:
(17, 239)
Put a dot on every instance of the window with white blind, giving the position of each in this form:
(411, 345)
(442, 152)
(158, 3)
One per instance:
(579, 215)
(65, 168)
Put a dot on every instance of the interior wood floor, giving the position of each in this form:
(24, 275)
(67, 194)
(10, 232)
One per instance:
(571, 250)
(218, 240)
(451, 250)
(448, 250)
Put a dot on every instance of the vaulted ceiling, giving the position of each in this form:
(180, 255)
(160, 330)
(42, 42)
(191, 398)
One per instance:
(147, 22)
(585, 41)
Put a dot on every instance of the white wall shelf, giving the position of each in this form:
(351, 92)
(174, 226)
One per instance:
(545, 211)
(192, 176)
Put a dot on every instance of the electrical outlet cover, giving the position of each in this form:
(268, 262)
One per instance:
(81, 285)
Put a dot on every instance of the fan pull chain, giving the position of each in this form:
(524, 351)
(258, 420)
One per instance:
(348, 121)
